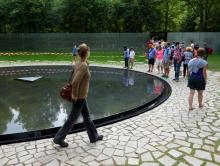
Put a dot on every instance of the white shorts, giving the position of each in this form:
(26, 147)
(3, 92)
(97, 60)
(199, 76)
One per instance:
(159, 62)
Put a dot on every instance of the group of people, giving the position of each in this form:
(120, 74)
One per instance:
(193, 58)
(194, 61)
(129, 56)
(165, 55)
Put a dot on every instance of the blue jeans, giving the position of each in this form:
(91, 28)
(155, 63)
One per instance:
(80, 106)
(126, 61)
(177, 69)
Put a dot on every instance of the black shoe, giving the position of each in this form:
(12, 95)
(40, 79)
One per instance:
(63, 144)
(99, 138)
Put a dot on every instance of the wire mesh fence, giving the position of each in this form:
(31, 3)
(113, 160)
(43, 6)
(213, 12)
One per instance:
(211, 38)
(63, 42)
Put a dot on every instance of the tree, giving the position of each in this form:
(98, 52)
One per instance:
(27, 16)
(85, 16)
(204, 9)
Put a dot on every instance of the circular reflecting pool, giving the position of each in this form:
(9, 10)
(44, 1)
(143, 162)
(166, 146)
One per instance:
(29, 106)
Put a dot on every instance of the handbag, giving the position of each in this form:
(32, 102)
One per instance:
(66, 92)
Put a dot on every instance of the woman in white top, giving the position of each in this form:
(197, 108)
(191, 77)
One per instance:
(131, 57)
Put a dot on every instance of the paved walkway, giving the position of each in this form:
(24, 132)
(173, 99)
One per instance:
(167, 135)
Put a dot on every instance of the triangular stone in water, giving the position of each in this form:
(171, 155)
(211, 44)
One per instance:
(29, 79)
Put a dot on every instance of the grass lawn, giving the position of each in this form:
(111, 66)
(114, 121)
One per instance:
(101, 57)
(214, 62)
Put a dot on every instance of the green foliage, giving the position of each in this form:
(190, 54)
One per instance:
(206, 12)
(109, 15)
(27, 16)
(85, 16)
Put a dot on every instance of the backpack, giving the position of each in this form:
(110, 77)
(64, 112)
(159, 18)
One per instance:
(210, 51)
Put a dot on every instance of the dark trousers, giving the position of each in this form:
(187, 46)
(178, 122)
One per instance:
(80, 106)
(126, 62)
(185, 69)
(177, 69)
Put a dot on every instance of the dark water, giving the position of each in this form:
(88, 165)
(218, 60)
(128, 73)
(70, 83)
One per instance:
(28, 106)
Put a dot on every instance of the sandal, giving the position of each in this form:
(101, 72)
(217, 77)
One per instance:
(190, 109)
(201, 106)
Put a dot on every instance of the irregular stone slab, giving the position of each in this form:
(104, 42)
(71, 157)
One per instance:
(203, 155)
(119, 152)
(182, 164)
(13, 161)
(157, 154)
(88, 159)
(175, 153)
(149, 164)
(167, 161)
(53, 163)
(211, 164)
(108, 162)
(194, 161)
(186, 150)
(147, 157)
(108, 151)
(120, 160)
(196, 141)
(217, 158)
(218, 149)
(133, 161)
(208, 148)
(102, 157)
(94, 152)
(24, 158)
(129, 150)
(181, 142)
(93, 163)
(3, 161)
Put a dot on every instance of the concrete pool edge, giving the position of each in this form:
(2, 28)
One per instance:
(47, 133)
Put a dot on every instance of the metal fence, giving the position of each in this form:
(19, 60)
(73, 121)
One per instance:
(63, 42)
(211, 38)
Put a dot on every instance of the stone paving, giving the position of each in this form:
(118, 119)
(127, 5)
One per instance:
(167, 135)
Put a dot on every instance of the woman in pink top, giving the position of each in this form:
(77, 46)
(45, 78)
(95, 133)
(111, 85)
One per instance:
(159, 59)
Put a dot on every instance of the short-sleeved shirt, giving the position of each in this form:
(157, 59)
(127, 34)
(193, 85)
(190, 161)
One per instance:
(195, 53)
(151, 53)
(187, 56)
(74, 51)
(132, 54)
(166, 54)
(177, 54)
(126, 53)
(159, 54)
(196, 63)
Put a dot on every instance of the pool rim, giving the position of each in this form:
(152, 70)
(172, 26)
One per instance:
(50, 132)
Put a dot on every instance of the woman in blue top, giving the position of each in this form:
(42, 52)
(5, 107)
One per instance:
(197, 77)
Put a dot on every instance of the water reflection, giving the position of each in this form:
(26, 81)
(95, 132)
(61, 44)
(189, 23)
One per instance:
(13, 126)
(32, 106)
(158, 86)
(128, 78)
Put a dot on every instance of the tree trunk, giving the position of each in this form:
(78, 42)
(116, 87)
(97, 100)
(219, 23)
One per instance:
(201, 28)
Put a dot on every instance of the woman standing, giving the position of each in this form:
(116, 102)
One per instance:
(198, 77)
(177, 61)
(131, 57)
(80, 84)
(159, 59)
(187, 56)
